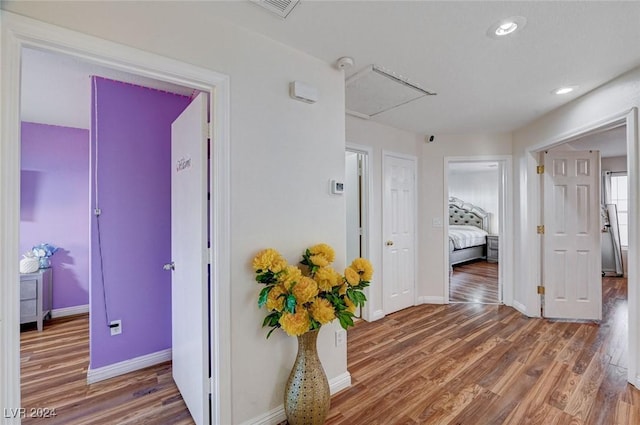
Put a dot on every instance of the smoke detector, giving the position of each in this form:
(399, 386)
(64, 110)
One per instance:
(282, 8)
(344, 62)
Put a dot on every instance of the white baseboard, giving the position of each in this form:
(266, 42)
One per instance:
(137, 363)
(520, 307)
(272, 417)
(430, 300)
(637, 383)
(277, 415)
(70, 311)
(377, 315)
(340, 382)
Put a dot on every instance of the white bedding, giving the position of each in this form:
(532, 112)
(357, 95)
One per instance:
(466, 236)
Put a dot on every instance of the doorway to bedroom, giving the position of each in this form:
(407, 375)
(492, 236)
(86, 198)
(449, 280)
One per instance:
(474, 225)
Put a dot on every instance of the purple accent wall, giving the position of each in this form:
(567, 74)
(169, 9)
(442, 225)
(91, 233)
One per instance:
(132, 126)
(54, 206)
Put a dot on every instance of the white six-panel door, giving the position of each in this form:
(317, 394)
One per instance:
(572, 258)
(189, 287)
(399, 228)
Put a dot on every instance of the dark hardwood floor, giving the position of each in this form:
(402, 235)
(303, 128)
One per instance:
(474, 282)
(54, 371)
(463, 364)
(475, 364)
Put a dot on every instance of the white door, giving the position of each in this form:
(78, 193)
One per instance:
(190, 281)
(399, 227)
(571, 257)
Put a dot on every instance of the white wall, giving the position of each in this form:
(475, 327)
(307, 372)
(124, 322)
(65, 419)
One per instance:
(431, 199)
(352, 200)
(431, 190)
(615, 98)
(480, 188)
(283, 154)
(380, 138)
(614, 163)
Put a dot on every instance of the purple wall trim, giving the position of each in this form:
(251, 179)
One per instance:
(54, 207)
(133, 132)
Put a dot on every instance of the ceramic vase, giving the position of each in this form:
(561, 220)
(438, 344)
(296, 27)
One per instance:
(307, 398)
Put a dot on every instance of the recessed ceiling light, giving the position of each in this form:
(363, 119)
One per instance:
(506, 26)
(564, 90)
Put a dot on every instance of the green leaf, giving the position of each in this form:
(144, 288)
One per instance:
(264, 294)
(290, 304)
(272, 319)
(271, 331)
(267, 277)
(345, 319)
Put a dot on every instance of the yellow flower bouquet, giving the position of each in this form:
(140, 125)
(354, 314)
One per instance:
(300, 299)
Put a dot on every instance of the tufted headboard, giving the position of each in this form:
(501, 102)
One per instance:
(461, 212)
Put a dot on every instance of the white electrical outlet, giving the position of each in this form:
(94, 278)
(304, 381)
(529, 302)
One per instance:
(341, 337)
(116, 327)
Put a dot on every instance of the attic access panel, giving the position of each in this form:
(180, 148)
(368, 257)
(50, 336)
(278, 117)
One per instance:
(374, 90)
(282, 8)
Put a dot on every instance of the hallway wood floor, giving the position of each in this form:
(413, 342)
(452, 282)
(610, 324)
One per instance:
(462, 364)
(474, 282)
(474, 364)
(54, 371)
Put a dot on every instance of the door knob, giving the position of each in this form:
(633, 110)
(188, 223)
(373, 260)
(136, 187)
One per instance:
(389, 243)
(169, 266)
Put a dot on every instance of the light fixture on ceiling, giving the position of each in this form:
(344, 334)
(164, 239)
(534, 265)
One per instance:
(506, 26)
(564, 90)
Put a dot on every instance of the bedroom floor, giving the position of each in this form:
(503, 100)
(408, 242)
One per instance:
(54, 372)
(474, 282)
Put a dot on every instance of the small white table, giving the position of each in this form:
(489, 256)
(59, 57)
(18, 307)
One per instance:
(36, 296)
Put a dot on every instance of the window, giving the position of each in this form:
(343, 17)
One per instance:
(619, 197)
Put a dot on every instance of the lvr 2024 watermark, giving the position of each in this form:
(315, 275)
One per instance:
(36, 412)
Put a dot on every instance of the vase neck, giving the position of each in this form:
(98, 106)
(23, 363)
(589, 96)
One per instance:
(308, 340)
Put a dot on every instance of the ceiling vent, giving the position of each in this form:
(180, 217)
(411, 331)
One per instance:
(282, 8)
(375, 90)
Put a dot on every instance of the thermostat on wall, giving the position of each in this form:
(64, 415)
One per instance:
(337, 188)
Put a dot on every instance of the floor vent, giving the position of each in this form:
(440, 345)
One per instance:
(282, 8)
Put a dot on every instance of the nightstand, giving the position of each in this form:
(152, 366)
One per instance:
(35, 296)
(493, 248)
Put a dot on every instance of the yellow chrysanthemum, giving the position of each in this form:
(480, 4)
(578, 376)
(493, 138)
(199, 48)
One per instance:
(351, 276)
(322, 311)
(291, 275)
(343, 289)
(305, 290)
(274, 300)
(323, 250)
(351, 307)
(363, 267)
(269, 259)
(326, 278)
(295, 324)
(319, 260)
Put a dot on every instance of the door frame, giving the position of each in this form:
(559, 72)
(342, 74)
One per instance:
(414, 160)
(505, 254)
(18, 32)
(533, 187)
(365, 212)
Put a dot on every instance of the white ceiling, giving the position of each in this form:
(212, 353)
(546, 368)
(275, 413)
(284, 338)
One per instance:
(610, 143)
(484, 85)
(56, 89)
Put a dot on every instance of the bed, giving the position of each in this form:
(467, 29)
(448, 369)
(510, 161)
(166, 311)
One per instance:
(468, 225)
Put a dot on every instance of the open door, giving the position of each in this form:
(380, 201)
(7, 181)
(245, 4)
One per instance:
(571, 257)
(190, 277)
